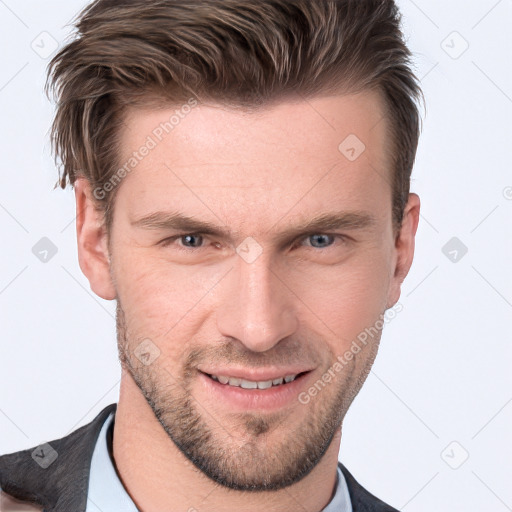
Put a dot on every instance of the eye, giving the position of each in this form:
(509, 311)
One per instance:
(192, 240)
(188, 241)
(320, 240)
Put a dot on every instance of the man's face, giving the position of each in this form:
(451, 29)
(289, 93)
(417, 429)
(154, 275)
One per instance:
(261, 297)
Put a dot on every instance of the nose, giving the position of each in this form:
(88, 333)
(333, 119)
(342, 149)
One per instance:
(256, 308)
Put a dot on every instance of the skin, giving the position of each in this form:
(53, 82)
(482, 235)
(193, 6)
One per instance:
(197, 300)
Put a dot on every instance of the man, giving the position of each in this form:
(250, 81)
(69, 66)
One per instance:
(241, 172)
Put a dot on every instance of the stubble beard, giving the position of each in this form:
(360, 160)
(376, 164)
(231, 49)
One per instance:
(250, 452)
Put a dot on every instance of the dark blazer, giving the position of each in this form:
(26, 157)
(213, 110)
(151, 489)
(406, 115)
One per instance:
(62, 486)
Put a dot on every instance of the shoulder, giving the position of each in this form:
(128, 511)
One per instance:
(53, 475)
(362, 500)
(10, 504)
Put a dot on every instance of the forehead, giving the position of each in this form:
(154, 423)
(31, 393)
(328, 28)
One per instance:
(305, 148)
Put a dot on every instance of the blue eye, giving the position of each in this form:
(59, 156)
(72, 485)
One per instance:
(190, 240)
(321, 239)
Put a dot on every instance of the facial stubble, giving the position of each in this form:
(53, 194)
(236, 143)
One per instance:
(248, 452)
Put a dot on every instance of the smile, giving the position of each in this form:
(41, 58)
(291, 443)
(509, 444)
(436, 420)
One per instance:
(251, 384)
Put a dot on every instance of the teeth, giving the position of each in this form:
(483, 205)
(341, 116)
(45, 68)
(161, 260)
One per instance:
(251, 384)
(248, 384)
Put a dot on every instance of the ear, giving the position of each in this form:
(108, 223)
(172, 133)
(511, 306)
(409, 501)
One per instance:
(93, 254)
(404, 248)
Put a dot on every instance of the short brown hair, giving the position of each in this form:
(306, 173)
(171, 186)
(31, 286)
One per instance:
(243, 53)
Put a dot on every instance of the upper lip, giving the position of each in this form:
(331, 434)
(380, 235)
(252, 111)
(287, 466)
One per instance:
(255, 374)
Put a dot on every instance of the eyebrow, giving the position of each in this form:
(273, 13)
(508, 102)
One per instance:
(161, 220)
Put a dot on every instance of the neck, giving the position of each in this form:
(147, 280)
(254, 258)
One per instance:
(157, 476)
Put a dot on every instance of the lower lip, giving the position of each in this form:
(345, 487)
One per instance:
(275, 397)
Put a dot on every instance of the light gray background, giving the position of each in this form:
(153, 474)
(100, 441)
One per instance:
(440, 389)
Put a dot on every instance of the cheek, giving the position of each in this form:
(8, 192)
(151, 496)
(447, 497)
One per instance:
(163, 302)
(344, 301)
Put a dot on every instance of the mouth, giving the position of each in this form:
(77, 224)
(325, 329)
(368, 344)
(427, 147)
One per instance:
(255, 384)
(270, 395)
